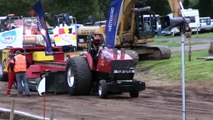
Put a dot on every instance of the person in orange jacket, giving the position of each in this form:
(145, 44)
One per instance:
(20, 69)
(11, 73)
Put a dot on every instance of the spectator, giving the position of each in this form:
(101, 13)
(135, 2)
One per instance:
(20, 70)
(11, 74)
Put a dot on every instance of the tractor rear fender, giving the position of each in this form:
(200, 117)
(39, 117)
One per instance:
(89, 60)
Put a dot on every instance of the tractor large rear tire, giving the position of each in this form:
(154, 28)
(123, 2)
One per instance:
(78, 76)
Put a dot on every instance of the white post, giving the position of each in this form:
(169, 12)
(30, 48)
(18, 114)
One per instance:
(12, 110)
(183, 77)
(51, 114)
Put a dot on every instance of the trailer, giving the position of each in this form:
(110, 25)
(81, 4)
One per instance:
(40, 65)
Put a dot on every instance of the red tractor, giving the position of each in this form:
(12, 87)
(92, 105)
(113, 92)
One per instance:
(102, 70)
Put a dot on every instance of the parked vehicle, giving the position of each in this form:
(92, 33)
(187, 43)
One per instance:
(206, 24)
(195, 18)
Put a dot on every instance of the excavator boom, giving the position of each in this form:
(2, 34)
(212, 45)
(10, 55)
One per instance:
(175, 7)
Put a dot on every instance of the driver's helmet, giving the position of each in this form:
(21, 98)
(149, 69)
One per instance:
(97, 40)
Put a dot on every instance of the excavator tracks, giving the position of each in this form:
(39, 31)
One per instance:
(152, 52)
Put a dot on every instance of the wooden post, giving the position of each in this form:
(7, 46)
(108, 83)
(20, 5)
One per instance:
(211, 49)
(12, 110)
(51, 114)
(188, 34)
(190, 50)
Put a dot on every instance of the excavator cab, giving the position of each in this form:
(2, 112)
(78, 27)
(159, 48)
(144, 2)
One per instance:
(138, 24)
(145, 26)
(145, 22)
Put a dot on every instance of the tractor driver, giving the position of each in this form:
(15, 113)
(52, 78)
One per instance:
(96, 42)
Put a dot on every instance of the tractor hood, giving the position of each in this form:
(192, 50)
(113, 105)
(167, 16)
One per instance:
(114, 54)
(110, 60)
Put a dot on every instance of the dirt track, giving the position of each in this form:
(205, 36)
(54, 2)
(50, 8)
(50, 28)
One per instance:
(160, 101)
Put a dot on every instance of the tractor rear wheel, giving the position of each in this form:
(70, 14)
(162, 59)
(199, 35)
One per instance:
(102, 89)
(78, 76)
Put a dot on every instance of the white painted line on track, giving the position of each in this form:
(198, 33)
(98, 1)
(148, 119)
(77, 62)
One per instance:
(24, 114)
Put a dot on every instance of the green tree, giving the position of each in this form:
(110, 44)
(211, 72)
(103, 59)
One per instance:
(81, 9)
(160, 7)
(18, 7)
(186, 3)
(205, 7)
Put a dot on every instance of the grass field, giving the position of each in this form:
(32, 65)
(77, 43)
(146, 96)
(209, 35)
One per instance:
(170, 69)
(203, 35)
(166, 43)
(163, 40)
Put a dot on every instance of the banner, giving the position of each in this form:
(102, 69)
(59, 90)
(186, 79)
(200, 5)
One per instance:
(112, 22)
(12, 38)
(65, 36)
(42, 27)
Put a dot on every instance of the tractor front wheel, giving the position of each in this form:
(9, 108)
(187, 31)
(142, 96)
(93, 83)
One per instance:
(134, 94)
(102, 89)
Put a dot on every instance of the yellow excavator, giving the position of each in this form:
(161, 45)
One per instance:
(134, 31)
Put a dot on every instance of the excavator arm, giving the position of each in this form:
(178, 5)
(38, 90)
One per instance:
(126, 28)
(175, 7)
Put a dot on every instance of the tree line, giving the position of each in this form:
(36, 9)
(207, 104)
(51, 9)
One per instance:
(84, 10)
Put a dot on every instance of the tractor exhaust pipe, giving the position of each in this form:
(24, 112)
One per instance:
(122, 52)
(115, 53)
